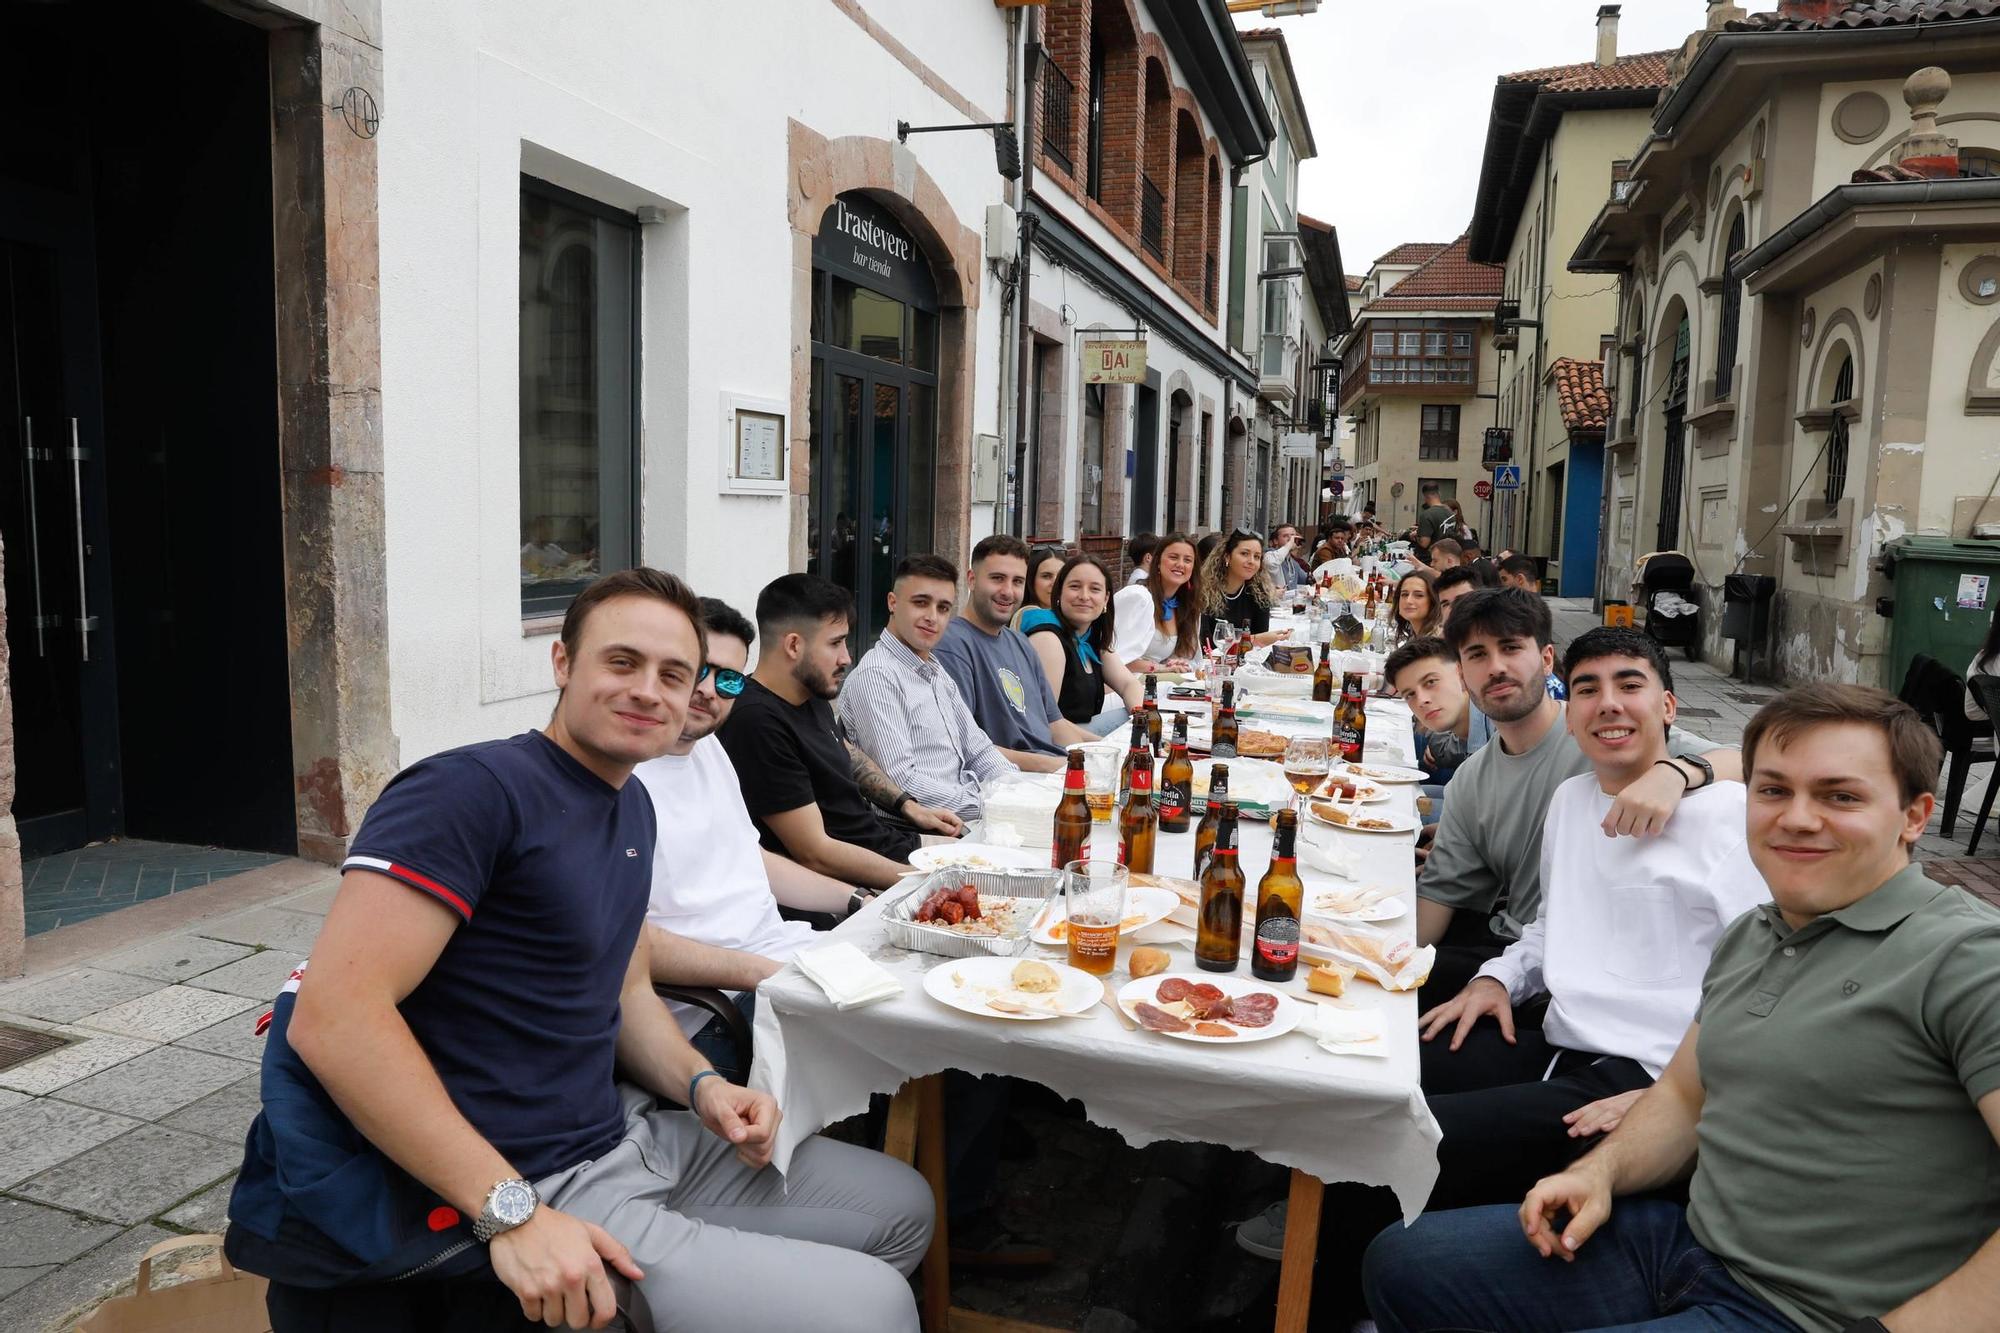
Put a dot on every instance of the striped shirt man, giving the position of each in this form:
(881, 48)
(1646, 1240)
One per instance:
(904, 711)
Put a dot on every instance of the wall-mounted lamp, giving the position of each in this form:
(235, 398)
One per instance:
(1006, 143)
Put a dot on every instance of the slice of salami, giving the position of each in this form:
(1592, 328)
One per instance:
(1214, 1030)
(1175, 988)
(1206, 1001)
(1250, 1013)
(1155, 1019)
(1257, 1000)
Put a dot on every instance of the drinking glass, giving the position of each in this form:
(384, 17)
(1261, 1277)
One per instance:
(1100, 779)
(1308, 759)
(1094, 894)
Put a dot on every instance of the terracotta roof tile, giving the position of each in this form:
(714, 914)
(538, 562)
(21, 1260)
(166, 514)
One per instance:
(1869, 14)
(1580, 387)
(1448, 280)
(1646, 69)
(1354, 284)
(1413, 252)
(1264, 34)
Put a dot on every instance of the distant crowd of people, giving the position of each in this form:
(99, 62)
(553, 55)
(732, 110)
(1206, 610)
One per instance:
(1706, 1049)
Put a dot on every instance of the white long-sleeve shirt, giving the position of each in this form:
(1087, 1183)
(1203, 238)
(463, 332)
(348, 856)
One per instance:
(906, 714)
(1627, 925)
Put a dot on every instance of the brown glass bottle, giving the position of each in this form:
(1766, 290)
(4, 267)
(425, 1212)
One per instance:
(1072, 831)
(1136, 747)
(1218, 936)
(1151, 713)
(1176, 800)
(1323, 676)
(1350, 719)
(1137, 826)
(1222, 736)
(1204, 832)
(1281, 896)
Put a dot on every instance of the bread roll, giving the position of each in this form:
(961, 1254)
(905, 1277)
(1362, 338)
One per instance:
(1144, 961)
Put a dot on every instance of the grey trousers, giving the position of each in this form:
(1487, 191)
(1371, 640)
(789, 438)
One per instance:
(829, 1247)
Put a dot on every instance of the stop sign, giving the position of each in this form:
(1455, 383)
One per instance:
(1483, 489)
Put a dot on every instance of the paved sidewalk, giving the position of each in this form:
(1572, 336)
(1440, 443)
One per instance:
(131, 1133)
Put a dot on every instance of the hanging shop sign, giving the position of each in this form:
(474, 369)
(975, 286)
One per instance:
(1120, 362)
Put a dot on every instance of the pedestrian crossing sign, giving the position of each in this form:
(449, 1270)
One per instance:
(1507, 477)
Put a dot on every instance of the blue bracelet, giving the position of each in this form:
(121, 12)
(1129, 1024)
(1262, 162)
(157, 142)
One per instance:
(695, 1082)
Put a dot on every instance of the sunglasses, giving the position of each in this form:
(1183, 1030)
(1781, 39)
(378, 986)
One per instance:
(728, 681)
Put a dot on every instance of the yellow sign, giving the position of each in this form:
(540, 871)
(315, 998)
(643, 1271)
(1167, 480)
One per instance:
(1114, 362)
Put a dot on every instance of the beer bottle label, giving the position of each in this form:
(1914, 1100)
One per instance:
(1278, 941)
(1172, 801)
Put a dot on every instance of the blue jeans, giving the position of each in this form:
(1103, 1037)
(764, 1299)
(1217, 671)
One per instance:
(719, 1048)
(1471, 1271)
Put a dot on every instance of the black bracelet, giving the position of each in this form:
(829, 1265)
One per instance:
(1687, 783)
(1869, 1325)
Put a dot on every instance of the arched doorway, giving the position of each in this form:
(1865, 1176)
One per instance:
(874, 404)
(1673, 451)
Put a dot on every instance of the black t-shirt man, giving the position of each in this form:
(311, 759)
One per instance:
(790, 755)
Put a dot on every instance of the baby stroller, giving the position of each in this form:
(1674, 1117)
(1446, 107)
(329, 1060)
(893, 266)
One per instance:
(1666, 590)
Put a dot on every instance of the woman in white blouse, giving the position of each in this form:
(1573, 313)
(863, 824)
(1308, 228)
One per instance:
(1159, 618)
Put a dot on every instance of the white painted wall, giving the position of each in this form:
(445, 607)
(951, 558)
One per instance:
(679, 107)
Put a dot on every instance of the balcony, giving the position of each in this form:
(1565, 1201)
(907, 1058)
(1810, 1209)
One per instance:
(1152, 219)
(1409, 374)
(1278, 367)
(1058, 129)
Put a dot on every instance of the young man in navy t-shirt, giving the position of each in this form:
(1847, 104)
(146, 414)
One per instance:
(480, 986)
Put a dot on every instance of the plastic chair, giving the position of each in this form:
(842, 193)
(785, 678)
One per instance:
(1938, 694)
(1985, 689)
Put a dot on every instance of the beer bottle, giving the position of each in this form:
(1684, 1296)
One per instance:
(1204, 832)
(1151, 713)
(1350, 719)
(1138, 747)
(1072, 832)
(1219, 927)
(1136, 824)
(1281, 896)
(1323, 676)
(1177, 781)
(1368, 599)
(1222, 741)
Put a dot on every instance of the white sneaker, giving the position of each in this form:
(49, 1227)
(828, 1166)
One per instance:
(1264, 1234)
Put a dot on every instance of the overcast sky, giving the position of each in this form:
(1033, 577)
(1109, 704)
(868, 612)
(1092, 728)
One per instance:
(1398, 92)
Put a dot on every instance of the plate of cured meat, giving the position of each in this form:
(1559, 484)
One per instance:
(1217, 1010)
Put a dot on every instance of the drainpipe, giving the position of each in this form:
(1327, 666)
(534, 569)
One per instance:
(1022, 349)
(1542, 291)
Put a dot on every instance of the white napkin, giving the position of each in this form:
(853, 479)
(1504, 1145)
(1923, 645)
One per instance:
(1352, 1031)
(1331, 860)
(849, 978)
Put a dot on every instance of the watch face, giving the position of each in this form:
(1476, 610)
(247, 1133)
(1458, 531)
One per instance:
(513, 1203)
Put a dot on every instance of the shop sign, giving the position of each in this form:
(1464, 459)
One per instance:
(1119, 362)
(866, 244)
(1298, 444)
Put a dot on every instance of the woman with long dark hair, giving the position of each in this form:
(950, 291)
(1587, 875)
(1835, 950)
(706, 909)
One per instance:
(1159, 618)
(1075, 638)
(1986, 662)
(1237, 588)
(1417, 613)
(1043, 562)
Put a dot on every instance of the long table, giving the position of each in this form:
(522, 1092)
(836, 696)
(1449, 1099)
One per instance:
(1328, 1116)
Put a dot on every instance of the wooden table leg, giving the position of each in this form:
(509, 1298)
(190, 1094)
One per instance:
(899, 1135)
(1295, 1272)
(930, 1161)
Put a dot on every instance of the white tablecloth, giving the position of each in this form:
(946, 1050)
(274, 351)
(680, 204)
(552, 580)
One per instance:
(1338, 1117)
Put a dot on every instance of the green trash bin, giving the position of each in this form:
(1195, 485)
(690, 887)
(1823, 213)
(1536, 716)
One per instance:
(1944, 599)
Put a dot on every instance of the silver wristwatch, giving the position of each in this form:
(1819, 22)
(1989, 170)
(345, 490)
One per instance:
(508, 1204)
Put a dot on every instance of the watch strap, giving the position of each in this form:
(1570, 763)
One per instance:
(488, 1224)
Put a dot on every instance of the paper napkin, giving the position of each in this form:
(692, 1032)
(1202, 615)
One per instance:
(849, 978)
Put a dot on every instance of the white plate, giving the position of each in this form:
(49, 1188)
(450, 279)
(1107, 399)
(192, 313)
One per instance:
(1288, 1016)
(1392, 775)
(1370, 793)
(1385, 909)
(977, 856)
(1143, 907)
(968, 983)
(1398, 822)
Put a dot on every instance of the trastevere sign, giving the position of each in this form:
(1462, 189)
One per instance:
(1110, 362)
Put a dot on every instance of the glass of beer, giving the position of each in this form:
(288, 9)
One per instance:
(1308, 759)
(1094, 894)
(1100, 779)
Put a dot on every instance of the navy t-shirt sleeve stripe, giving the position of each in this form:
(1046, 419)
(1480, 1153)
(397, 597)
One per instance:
(415, 879)
(441, 827)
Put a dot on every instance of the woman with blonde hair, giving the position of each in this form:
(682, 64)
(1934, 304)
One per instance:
(1159, 618)
(1237, 588)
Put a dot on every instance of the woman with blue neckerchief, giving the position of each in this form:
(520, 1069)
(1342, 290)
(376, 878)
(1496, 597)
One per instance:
(1159, 618)
(1074, 640)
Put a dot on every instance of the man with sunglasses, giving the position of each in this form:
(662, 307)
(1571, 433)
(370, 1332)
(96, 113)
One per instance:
(712, 917)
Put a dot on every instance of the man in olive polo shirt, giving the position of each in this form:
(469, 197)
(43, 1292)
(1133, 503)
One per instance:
(1837, 1097)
